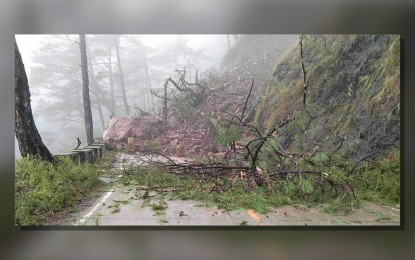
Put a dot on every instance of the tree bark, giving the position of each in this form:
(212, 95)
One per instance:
(124, 96)
(85, 83)
(28, 138)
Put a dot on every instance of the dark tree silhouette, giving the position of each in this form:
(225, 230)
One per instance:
(85, 82)
(30, 142)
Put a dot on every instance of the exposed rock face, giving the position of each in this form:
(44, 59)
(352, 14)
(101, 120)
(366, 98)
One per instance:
(355, 95)
(120, 129)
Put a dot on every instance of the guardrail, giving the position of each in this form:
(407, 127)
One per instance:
(88, 154)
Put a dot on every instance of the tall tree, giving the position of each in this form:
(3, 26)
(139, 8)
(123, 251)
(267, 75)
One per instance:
(85, 83)
(57, 74)
(148, 82)
(97, 90)
(124, 95)
(30, 142)
(111, 79)
(137, 68)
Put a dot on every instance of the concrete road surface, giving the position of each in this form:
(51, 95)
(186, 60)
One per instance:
(123, 205)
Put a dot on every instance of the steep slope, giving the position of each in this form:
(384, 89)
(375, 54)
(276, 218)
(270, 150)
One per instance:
(252, 57)
(353, 91)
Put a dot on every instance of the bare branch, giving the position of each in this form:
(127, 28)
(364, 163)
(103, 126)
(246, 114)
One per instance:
(247, 98)
(338, 148)
(304, 72)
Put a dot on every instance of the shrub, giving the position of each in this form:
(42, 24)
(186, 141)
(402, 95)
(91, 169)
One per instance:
(42, 189)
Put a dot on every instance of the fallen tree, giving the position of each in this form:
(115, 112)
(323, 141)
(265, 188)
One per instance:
(260, 159)
(183, 96)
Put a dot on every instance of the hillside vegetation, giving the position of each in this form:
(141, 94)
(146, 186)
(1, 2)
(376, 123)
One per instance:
(341, 148)
(353, 86)
(43, 189)
(251, 139)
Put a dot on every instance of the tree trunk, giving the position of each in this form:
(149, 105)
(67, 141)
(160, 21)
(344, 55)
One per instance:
(85, 83)
(124, 96)
(97, 90)
(101, 116)
(165, 100)
(148, 79)
(229, 42)
(30, 142)
(111, 81)
(143, 91)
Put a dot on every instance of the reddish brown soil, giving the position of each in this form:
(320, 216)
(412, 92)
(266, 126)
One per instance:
(193, 132)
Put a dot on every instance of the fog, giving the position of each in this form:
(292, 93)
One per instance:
(52, 64)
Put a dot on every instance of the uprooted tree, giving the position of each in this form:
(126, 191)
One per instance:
(85, 93)
(184, 97)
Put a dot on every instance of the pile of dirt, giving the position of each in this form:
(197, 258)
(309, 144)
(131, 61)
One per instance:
(253, 57)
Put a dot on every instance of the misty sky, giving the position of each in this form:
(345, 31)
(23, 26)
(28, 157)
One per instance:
(28, 44)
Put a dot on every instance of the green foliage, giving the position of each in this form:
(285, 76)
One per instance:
(161, 206)
(386, 73)
(163, 221)
(379, 181)
(115, 208)
(336, 205)
(304, 189)
(184, 106)
(302, 119)
(305, 186)
(288, 187)
(321, 157)
(227, 133)
(42, 189)
(376, 89)
(96, 220)
(152, 145)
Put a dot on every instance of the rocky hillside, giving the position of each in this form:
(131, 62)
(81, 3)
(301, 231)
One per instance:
(323, 149)
(353, 86)
(352, 100)
(252, 57)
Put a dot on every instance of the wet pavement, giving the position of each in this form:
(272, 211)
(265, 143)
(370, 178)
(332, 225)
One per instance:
(124, 206)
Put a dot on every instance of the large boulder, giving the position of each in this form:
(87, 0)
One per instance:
(121, 128)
